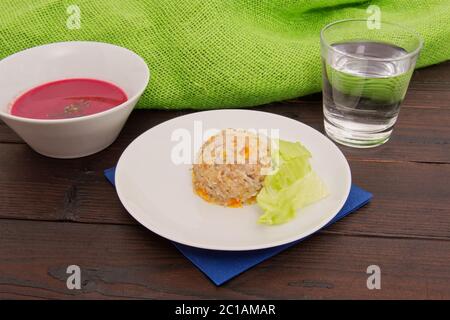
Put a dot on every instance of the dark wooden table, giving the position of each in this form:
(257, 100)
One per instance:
(55, 213)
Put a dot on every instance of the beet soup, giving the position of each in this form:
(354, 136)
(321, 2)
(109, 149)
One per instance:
(69, 98)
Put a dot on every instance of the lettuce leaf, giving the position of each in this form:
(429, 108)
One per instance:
(289, 150)
(294, 185)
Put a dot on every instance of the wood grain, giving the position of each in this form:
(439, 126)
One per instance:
(78, 191)
(129, 262)
(54, 213)
(421, 134)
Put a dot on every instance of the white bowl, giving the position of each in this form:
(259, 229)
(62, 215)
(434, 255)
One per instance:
(75, 137)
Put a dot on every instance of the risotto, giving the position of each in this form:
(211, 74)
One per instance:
(231, 167)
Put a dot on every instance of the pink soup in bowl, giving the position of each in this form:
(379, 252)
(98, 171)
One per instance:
(70, 99)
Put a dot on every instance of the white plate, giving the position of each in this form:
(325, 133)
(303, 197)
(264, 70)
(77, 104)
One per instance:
(158, 193)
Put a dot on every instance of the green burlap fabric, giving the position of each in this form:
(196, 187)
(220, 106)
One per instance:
(218, 53)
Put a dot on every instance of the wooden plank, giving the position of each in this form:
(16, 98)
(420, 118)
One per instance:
(436, 73)
(430, 89)
(39, 188)
(421, 134)
(7, 135)
(410, 199)
(129, 262)
(428, 95)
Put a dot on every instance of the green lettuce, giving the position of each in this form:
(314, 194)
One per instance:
(293, 186)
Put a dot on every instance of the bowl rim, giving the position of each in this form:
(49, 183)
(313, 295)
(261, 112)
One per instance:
(7, 115)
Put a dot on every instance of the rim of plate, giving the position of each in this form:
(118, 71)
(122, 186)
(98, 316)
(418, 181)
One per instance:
(154, 229)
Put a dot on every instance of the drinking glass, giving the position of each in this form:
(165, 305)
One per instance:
(366, 72)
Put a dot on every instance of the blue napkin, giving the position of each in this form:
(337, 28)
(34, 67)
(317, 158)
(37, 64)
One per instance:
(221, 266)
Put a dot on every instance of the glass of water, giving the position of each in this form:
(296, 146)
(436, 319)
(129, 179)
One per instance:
(366, 72)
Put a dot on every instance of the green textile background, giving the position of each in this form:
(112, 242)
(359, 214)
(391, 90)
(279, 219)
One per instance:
(218, 53)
